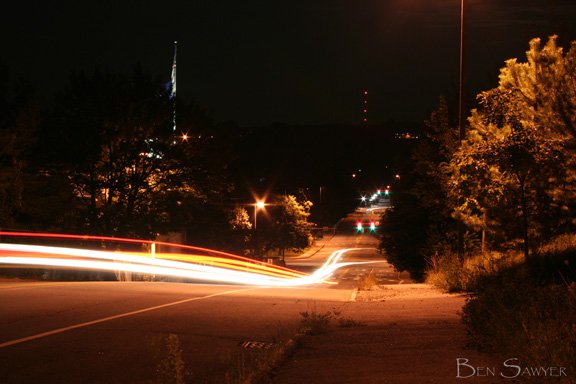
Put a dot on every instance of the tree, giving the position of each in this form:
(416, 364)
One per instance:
(25, 200)
(17, 127)
(515, 170)
(112, 136)
(290, 228)
(420, 225)
(240, 228)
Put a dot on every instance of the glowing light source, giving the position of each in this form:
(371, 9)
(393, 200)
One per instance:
(225, 268)
(258, 205)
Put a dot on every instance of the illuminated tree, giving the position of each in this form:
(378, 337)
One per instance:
(240, 228)
(290, 228)
(514, 173)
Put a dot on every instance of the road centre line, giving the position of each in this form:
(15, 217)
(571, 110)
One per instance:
(109, 318)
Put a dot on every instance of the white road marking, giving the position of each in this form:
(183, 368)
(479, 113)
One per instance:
(88, 323)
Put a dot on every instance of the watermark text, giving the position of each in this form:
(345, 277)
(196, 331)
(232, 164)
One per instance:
(510, 369)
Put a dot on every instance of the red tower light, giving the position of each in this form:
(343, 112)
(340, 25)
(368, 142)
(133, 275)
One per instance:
(365, 107)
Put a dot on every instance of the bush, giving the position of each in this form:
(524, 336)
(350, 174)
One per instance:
(528, 310)
(513, 316)
(447, 272)
(315, 323)
(368, 281)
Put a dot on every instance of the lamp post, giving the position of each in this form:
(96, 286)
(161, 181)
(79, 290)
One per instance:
(461, 129)
(258, 205)
(461, 82)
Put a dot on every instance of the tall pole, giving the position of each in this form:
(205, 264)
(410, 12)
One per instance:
(461, 129)
(258, 205)
(461, 82)
(173, 87)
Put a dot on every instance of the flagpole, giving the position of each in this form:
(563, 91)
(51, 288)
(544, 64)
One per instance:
(173, 90)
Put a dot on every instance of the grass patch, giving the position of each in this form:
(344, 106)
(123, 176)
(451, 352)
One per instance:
(448, 273)
(170, 366)
(314, 323)
(368, 282)
(254, 366)
(537, 324)
(528, 310)
(349, 323)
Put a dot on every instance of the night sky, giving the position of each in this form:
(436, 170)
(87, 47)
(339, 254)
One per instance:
(296, 62)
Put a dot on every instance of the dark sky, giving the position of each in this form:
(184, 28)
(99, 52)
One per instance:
(296, 61)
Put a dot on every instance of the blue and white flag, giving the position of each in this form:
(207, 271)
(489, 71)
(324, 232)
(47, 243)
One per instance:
(173, 76)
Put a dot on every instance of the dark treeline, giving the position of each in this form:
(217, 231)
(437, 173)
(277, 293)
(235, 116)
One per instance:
(102, 157)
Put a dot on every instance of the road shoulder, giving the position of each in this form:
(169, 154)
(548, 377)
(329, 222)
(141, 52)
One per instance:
(408, 333)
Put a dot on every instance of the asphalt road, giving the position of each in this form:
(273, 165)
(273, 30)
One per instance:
(108, 332)
(117, 332)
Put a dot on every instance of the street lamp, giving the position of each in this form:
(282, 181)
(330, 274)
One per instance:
(461, 129)
(258, 205)
(461, 82)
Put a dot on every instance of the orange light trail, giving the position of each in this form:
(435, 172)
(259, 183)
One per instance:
(214, 266)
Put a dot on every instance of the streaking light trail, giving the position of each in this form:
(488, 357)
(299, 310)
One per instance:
(214, 266)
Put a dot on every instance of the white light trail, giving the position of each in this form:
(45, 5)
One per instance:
(235, 272)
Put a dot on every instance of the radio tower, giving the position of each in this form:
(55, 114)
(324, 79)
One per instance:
(365, 107)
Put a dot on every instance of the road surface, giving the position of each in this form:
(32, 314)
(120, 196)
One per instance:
(112, 332)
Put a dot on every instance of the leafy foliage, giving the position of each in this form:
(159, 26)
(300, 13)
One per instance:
(290, 228)
(512, 178)
(513, 174)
